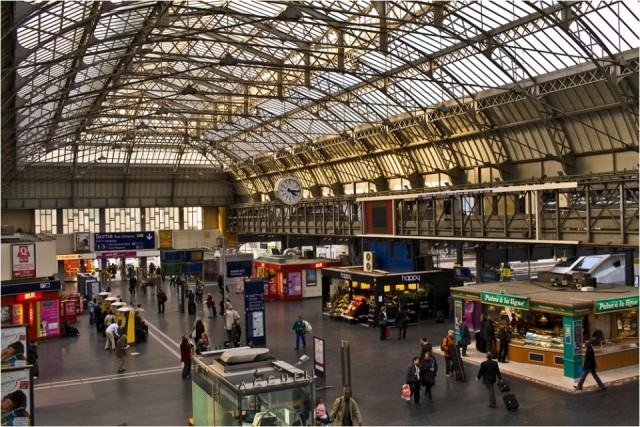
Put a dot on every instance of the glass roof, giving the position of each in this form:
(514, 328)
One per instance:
(219, 83)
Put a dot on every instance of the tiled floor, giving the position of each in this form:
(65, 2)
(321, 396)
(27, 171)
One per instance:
(78, 383)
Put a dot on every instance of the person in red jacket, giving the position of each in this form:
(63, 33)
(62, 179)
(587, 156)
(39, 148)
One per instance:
(185, 356)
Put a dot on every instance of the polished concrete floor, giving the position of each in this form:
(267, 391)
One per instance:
(78, 383)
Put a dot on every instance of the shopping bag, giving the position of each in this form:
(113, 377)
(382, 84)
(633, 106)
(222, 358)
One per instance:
(406, 392)
(388, 332)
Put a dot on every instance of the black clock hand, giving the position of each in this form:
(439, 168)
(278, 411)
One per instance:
(294, 192)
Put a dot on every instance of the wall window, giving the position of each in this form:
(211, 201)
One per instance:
(46, 221)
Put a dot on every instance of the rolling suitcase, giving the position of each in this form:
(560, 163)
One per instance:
(510, 401)
(509, 398)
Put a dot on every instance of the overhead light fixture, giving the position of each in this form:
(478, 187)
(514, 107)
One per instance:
(228, 59)
(543, 319)
(189, 90)
(503, 312)
(290, 14)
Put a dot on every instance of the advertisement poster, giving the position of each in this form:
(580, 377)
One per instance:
(312, 278)
(82, 242)
(23, 260)
(17, 397)
(294, 283)
(17, 314)
(14, 346)
(49, 317)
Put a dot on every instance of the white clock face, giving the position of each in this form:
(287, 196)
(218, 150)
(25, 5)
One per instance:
(289, 190)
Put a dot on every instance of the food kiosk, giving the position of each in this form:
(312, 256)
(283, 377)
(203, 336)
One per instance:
(554, 321)
(355, 295)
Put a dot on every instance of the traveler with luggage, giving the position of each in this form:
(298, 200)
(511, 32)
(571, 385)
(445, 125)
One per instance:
(489, 371)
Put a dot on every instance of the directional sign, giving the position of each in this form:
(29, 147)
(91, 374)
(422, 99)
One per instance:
(124, 241)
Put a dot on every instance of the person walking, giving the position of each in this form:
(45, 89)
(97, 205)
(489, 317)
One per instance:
(230, 316)
(299, 329)
(345, 410)
(99, 319)
(133, 283)
(413, 378)
(121, 352)
(185, 356)
(236, 333)
(401, 322)
(504, 335)
(198, 330)
(111, 334)
(489, 335)
(211, 306)
(589, 365)
(161, 299)
(425, 346)
(448, 341)
(92, 311)
(382, 322)
(489, 371)
(199, 291)
(465, 335)
(428, 371)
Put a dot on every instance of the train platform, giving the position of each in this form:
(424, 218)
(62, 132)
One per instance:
(79, 385)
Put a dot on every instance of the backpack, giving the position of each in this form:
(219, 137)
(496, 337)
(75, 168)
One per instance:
(307, 327)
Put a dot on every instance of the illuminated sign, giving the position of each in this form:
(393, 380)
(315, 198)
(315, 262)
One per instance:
(28, 295)
(124, 241)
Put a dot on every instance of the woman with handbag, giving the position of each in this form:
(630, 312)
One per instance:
(413, 378)
(428, 371)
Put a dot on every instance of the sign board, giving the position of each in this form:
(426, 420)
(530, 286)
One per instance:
(23, 260)
(505, 300)
(615, 304)
(255, 313)
(166, 239)
(239, 268)
(124, 241)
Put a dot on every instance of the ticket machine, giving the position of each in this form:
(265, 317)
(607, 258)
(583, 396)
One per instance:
(126, 323)
(106, 304)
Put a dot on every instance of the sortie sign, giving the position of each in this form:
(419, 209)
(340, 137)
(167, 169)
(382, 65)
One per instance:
(506, 300)
(615, 304)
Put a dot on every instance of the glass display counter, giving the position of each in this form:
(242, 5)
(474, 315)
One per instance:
(247, 387)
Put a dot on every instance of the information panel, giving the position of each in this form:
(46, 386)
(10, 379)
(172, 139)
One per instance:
(254, 313)
(124, 241)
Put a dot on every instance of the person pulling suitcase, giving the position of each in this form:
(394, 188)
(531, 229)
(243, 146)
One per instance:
(489, 372)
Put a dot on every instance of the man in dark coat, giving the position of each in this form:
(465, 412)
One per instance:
(489, 335)
(489, 371)
(589, 365)
(504, 336)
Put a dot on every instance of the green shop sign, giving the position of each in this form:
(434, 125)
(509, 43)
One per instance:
(506, 300)
(615, 304)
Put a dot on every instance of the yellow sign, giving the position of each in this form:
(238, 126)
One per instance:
(166, 239)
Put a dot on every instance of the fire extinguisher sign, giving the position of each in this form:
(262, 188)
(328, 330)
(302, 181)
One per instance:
(24, 260)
